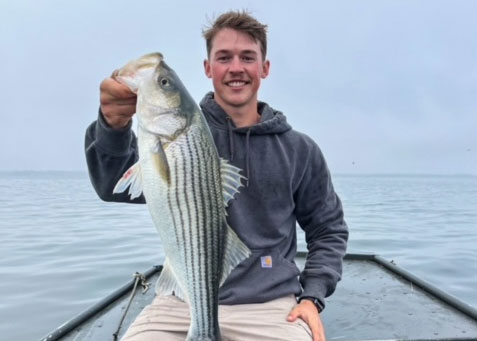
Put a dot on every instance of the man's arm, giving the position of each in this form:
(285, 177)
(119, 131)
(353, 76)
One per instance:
(110, 144)
(320, 214)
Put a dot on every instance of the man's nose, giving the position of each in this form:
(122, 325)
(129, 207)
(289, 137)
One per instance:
(236, 65)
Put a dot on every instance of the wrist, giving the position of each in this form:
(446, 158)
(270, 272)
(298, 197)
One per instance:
(313, 300)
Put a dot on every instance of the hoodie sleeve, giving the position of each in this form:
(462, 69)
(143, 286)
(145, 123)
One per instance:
(320, 215)
(109, 154)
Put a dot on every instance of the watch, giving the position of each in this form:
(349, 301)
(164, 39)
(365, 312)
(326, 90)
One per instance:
(315, 301)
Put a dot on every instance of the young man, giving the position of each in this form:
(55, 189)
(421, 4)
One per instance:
(287, 181)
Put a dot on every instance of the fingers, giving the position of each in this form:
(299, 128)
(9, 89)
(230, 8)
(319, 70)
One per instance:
(310, 315)
(314, 322)
(115, 74)
(317, 329)
(111, 89)
(294, 314)
(118, 102)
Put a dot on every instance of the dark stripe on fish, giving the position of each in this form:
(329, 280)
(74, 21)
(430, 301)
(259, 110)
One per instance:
(206, 225)
(214, 231)
(188, 165)
(174, 223)
(181, 218)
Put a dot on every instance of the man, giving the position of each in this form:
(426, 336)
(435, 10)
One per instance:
(287, 181)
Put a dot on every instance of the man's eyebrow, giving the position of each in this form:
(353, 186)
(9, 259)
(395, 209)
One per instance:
(225, 51)
(222, 51)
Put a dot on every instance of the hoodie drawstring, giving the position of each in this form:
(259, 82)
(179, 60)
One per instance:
(247, 148)
(247, 154)
(231, 140)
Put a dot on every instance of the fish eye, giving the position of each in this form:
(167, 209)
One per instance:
(164, 82)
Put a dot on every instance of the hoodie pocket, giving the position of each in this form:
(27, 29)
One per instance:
(265, 275)
(272, 259)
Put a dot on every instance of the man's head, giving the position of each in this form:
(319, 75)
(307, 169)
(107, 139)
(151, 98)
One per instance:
(239, 21)
(236, 47)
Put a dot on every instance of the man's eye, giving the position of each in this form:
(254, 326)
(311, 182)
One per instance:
(248, 59)
(223, 58)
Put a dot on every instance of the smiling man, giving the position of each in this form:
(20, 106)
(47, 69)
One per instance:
(265, 297)
(236, 66)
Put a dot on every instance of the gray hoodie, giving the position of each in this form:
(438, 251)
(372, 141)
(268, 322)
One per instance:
(288, 182)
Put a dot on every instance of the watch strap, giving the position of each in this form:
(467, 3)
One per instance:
(315, 301)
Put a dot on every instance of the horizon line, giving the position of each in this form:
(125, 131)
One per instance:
(332, 173)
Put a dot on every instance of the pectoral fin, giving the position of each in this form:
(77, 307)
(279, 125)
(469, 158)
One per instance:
(160, 161)
(132, 179)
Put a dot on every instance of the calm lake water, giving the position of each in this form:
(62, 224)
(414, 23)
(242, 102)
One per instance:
(63, 249)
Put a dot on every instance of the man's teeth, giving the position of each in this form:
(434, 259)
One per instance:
(237, 83)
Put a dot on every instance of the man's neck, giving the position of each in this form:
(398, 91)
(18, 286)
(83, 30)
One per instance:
(242, 116)
(241, 119)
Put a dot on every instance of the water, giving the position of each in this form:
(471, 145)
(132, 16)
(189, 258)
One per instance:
(63, 249)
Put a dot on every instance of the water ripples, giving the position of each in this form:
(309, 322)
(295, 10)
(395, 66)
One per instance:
(63, 249)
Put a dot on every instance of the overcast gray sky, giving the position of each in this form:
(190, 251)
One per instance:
(385, 86)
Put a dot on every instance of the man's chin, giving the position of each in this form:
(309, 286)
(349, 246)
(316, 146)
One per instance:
(236, 101)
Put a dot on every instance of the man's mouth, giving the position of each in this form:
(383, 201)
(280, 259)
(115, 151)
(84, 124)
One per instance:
(236, 84)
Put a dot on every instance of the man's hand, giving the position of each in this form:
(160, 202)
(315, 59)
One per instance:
(118, 103)
(307, 311)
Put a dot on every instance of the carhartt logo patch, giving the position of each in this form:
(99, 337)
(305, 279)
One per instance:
(266, 261)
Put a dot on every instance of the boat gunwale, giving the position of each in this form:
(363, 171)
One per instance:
(452, 301)
(82, 317)
(426, 286)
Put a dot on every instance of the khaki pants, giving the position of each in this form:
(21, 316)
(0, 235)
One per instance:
(167, 319)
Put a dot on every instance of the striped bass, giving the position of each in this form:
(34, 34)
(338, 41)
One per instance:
(187, 188)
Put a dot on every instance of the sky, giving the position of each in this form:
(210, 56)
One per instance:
(383, 87)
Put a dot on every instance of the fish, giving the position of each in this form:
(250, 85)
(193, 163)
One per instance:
(187, 188)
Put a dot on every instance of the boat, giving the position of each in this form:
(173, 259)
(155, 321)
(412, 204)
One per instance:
(375, 300)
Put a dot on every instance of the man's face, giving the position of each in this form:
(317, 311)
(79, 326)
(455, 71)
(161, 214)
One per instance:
(236, 67)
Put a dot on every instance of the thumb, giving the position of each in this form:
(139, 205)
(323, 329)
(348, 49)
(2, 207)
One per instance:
(293, 315)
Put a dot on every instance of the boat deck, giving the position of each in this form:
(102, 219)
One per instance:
(376, 300)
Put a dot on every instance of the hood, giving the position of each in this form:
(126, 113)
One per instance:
(271, 121)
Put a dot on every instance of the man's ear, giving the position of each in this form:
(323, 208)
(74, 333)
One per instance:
(265, 69)
(207, 68)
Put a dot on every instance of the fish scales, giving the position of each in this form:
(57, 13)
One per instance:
(187, 187)
(199, 227)
(200, 198)
(194, 200)
(207, 266)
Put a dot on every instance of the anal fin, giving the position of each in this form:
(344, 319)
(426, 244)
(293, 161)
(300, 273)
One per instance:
(167, 283)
